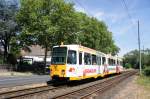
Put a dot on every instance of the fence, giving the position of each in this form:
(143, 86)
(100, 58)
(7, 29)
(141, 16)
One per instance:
(5, 67)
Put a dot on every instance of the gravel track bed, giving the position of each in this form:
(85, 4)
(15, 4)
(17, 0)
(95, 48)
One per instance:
(128, 89)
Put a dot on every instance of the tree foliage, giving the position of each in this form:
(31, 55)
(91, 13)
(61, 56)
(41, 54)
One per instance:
(94, 34)
(8, 25)
(132, 58)
(50, 22)
(46, 22)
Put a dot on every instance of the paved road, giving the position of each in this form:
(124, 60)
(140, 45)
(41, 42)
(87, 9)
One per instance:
(21, 80)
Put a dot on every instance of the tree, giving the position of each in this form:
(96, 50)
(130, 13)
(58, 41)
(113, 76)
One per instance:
(50, 22)
(132, 58)
(46, 22)
(8, 26)
(94, 34)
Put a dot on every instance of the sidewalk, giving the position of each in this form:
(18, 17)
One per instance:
(9, 73)
(12, 79)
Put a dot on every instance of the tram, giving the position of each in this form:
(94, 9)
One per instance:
(76, 62)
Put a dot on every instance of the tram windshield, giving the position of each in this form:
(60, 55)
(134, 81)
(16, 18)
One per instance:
(59, 55)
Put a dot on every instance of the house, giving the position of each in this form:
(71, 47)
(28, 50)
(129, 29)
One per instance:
(35, 53)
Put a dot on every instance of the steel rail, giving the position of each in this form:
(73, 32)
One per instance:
(87, 91)
(26, 92)
(106, 86)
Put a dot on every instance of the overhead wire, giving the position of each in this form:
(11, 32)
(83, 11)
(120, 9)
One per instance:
(83, 7)
(130, 17)
(127, 10)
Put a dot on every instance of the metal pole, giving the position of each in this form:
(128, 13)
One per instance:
(139, 49)
(143, 57)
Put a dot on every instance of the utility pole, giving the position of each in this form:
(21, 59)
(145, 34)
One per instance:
(139, 43)
(143, 56)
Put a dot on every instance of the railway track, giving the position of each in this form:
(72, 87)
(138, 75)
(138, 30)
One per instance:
(87, 92)
(26, 92)
(78, 93)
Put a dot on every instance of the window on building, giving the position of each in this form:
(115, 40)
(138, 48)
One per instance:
(72, 57)
(80, 58)
(94, 61)
(87, 59)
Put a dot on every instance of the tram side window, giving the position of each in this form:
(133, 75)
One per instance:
(72, 57)
(117, 62)
(121, 63)
(99, 60)
(103, 60)
(80, 58)
(87, 59)
(109, 61)
(94, 61)
(114, 62)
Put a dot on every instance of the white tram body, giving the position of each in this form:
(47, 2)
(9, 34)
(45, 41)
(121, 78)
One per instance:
(76, 62)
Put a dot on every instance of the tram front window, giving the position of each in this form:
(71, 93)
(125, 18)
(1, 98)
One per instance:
(59, 55)
(72, 57)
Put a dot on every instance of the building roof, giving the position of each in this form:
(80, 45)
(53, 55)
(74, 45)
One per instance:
(35, 50)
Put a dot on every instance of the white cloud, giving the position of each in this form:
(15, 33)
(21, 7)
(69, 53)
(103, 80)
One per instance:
(132, 25)
(80, 9)
(124, 29)
(99, 15)
(109, 16)
(115, 17)
(124, 50)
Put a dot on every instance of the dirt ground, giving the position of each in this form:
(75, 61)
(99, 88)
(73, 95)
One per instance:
(128, 89)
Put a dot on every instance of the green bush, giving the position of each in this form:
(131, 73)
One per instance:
(12, 59)
(128, 65)
(1, 60)
(147, 71)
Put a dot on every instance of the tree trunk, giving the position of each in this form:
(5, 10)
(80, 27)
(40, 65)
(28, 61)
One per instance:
(5, 53)
(45, 57)
(46, 50)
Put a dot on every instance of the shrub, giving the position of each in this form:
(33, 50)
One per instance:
(128, 65)
(36, 67)
(147, 71)
(12, 59)
(1, 60)
(1, 57)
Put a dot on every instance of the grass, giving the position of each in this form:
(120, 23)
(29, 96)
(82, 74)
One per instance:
(144, 81)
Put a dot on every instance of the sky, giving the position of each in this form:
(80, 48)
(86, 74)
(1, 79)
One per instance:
(121, 18)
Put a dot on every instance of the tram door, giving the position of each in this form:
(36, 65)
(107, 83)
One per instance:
(99, 63)
(80, 66)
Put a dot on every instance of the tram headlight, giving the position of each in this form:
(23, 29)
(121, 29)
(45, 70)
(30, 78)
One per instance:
(63, 72)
